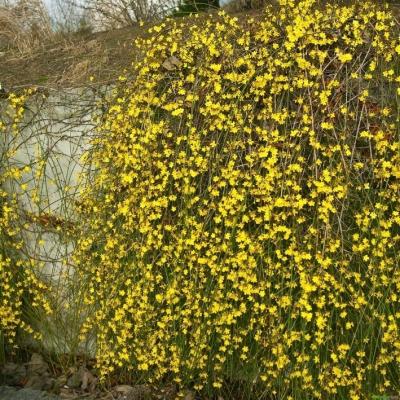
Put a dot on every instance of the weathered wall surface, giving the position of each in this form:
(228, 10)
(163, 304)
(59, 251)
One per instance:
(57, 127)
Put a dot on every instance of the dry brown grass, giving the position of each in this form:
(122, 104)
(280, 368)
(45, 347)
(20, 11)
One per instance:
(24, 27)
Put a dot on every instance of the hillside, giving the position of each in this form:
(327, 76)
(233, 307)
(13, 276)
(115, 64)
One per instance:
(69, 62)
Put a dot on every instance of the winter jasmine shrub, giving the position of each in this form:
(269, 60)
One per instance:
(242, 222)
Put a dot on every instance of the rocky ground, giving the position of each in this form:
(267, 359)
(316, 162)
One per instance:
(123, 392)
(34, 381)
(12, 393)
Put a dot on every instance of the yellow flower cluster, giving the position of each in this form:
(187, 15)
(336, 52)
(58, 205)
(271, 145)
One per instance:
(20, 288)
(243, 219)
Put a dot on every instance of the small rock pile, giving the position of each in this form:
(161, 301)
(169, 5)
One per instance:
(34, 374)
(34, 381)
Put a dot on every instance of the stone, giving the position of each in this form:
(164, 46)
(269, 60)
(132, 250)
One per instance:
(12, 374)
(38, 375)
(37, 366)
(123, 389)
(139, 392)
(82, 379)
(75, 380)
(37, 382)
(9, 393)
(168, 392)
(89, 381)
(59, 382)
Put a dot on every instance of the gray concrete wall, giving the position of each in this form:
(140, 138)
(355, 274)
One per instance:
(57, 127)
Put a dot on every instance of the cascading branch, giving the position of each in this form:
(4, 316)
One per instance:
(19, 283)
(243, 222)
